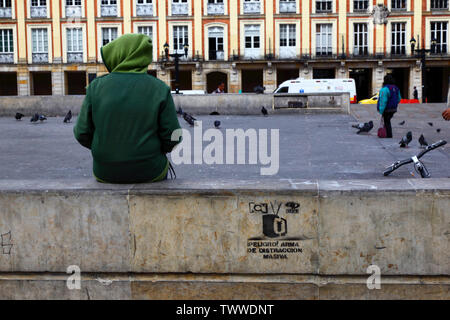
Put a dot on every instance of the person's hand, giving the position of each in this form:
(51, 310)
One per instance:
(446, 114)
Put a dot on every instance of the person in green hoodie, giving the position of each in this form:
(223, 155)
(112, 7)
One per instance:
(128, 117)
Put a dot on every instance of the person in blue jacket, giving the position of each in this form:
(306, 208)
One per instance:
(388, 100)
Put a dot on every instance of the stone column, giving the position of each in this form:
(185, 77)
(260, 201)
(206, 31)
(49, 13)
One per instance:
(198, 78)
(416, 79)
(378, 77)
(306, 72)
(270, 78)
(58, 80)
(23, 80)
(235, 79)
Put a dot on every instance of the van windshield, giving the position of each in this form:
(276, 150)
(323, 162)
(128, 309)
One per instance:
(282, 90)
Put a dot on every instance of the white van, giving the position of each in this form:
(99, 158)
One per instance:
(319, 86)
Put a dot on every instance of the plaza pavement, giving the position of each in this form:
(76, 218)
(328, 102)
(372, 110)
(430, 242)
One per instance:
(322, 147)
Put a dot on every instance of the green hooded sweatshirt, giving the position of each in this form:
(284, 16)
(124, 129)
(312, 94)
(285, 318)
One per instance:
(128, 117)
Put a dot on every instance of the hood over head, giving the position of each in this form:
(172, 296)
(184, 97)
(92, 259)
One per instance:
(131, 53)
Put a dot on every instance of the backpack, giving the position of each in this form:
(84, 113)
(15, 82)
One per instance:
(393, 100)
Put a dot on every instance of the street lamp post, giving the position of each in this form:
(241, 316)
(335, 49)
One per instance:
(422, 53)
(176, 57)
(413, 44)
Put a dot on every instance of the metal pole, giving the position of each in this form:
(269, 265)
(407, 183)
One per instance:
(177, 70)
(424, 76)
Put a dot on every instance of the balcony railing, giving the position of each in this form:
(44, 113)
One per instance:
(73, 11)
(75, 57)
(40, 57)
(108, 10)
(6, 57)
(5, 13)
(216, 55)
(288, 7)
(216, 9)
(144, 9)
(180, 8)
(252, 7)
(39, 12)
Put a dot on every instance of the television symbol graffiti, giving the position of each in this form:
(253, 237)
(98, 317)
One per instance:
(274, 226)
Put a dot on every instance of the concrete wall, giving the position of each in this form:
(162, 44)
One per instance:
(184, 240)
(243, 104)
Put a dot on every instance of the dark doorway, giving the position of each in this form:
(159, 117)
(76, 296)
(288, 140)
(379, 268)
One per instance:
(213, 80)
(324, 73)
(363, 82)
(251, 79)
(401, 77)
(76, 83)
(286, 74)
(437, 84)
(152, 73)
(185, 78)
(92, 77)
(41, 83)
(8, 84)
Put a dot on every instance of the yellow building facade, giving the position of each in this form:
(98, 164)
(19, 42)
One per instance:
(53, 46)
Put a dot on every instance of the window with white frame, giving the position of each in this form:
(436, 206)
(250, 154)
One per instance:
(398, 35)
(216, 7)
(6, 41)
(324, 6)
(439, 4)
(6, 46)
(439, 34)
(147, 30)
(39, 40)
(252, 40)
(215, 43)
(38, 8)
(398, 4)
(74, 44)
(288, 40)
(288, 6)
(5, 9)
(324, 39)
(180, 38)
(73, 8)
(360, 5)
(252, 6)
(360, 39)
(180, 7)
(108, 8)
(144, 8)
(39, 45)
(108, 35)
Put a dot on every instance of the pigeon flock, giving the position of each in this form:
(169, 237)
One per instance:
(191, 120)
(36, 118)
(404, 142)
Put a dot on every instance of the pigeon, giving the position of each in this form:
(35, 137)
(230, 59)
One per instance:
(438, 130)
(402, 123)
(189, 119)
(430, 124)
(422, 141)
(259, 89)
(406, 140)
(364, 127)
(68, 117)
(217, 124)
(367, 127)
(264, 112)
(19, 116)
(35, 118)
(42, 118)
(180, 111)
